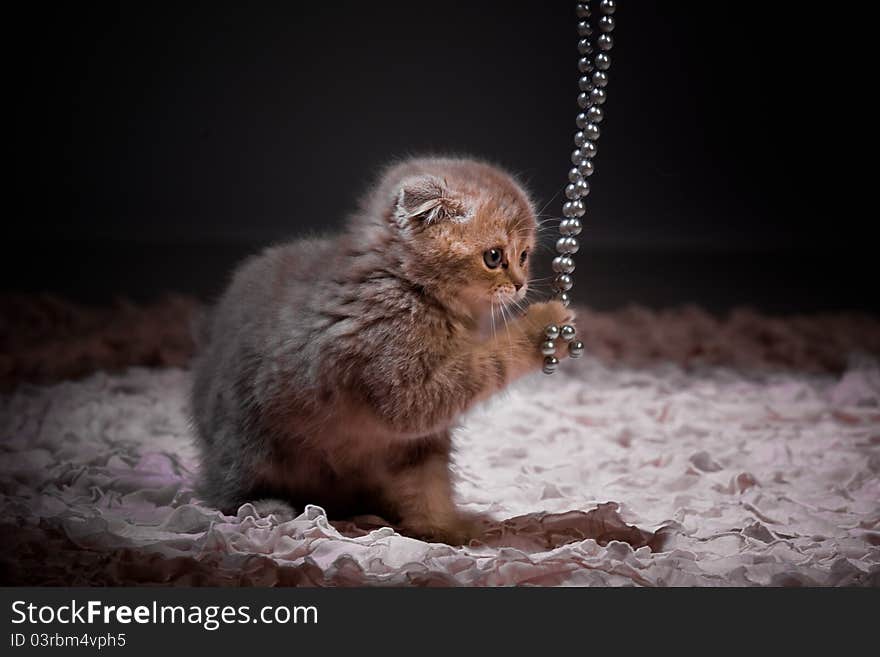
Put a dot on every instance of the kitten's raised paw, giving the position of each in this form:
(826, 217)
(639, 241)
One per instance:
(540, 315)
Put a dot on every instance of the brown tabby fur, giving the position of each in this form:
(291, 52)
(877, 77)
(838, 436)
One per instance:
(333, 369)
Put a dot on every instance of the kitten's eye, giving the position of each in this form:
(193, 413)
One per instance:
(522, 258)
(493, 258)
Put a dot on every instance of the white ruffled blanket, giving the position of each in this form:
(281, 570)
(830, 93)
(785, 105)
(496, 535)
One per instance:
(746, 479)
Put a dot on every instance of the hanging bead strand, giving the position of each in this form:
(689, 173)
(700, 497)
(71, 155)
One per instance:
(591, 84)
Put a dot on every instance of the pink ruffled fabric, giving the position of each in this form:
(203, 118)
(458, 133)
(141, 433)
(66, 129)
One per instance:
(656, 476)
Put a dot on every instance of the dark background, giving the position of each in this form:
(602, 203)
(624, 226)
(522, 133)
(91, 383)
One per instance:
(152, 147)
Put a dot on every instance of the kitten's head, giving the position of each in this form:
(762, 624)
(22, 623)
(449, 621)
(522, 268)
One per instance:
(468, 231)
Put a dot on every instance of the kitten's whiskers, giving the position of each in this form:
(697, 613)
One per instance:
(507, 328)
(553, 198)
(492, 308)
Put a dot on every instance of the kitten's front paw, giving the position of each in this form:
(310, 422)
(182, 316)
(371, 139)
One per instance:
(455, 532)
(539, 316)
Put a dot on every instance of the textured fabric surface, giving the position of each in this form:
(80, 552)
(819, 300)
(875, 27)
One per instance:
(45, 339)
(657, 475)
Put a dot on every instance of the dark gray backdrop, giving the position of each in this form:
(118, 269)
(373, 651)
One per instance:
(153, 146)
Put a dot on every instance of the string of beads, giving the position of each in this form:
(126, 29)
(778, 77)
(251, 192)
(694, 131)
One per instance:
(592, 82)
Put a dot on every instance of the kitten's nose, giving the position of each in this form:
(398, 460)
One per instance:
(518, 286)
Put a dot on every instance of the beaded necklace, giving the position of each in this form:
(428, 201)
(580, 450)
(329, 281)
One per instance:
(592, 83)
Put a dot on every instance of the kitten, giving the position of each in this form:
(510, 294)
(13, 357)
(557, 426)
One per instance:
(333, 369)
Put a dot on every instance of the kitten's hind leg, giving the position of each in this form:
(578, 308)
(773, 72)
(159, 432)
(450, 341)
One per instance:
(281, 510)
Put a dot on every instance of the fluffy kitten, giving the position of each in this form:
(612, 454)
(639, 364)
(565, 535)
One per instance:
(332, 369)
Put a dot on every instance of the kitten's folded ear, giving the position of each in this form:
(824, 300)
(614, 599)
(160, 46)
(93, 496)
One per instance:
(425, 199)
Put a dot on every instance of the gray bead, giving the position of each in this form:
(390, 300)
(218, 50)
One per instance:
(606, 24)
(585, 167)
(572, 209)
(563, 283)
(570, 227)
(585, 48)
(567, 333)
(584, 99)
(600, 79)
(604, 42)
(550, 364)
(563, 264)
(567, 245)
(603, 61)
(607, 7)
(548, 348)
(580, 138)
(585, 65)
(574, 175)
(584, 28)
(572, 192)
(585, 82)
(564, 298)
(594, 114)
(591, 131)
(551, 331)
(582, 10)
(597, 96)
(575, 348)
(583, 187)
(585, 152)
(582, 119)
